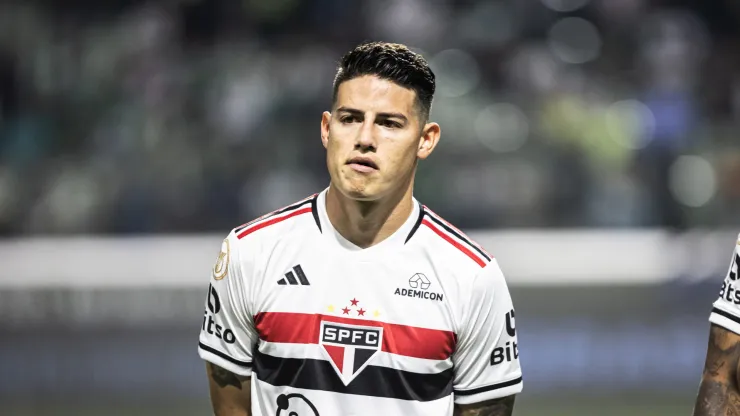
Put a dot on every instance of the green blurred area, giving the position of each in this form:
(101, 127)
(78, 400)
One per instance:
(627, 404)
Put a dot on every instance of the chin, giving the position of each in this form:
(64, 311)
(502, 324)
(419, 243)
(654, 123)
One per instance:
(358, 192)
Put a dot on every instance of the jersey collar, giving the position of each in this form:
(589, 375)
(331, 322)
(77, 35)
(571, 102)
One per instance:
(395, 240)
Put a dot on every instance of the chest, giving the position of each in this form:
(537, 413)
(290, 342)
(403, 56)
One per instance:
(349, 313)
(391, 288)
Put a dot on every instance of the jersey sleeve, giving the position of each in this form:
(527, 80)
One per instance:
(486, 360)
(726, 310)
(227, 332)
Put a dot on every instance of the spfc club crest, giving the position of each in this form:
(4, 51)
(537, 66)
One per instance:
(350, 347)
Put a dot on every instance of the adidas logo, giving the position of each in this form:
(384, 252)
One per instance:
(290, 278)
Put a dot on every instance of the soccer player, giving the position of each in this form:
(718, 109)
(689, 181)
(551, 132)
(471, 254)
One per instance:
(719, 393)
(359, 300)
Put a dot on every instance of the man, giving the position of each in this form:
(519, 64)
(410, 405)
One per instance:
(359, 300)
(719, 393)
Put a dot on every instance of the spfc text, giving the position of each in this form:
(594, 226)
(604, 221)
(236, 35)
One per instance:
(350, 336)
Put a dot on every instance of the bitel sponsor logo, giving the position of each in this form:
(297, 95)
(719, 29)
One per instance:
(210, 318)
(510, 350)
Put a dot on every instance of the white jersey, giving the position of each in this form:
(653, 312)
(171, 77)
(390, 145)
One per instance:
(409, 326)
(726, 310)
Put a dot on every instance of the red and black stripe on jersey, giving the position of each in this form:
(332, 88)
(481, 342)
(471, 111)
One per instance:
(302, 207)
(373, 380)
(379, 381)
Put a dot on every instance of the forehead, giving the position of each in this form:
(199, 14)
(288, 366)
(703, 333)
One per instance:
(370, 93)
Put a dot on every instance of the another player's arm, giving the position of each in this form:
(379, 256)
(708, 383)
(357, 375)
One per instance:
(719, 393)
(497, 407)
(230, 393)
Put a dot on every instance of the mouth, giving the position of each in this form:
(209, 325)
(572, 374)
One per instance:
(364, 164)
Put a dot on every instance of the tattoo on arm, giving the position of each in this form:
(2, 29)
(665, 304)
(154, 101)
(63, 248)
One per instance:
(719, 394)
(224, 377)
(498, 407)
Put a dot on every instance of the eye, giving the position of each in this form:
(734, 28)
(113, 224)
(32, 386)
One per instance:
(348, 119)
(390, 124)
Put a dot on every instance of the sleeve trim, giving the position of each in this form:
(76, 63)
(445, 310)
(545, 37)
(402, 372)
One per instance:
(220, 354)
(489, 388)
(727, 315)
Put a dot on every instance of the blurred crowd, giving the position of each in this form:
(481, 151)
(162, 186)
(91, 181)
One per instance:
(132, 116)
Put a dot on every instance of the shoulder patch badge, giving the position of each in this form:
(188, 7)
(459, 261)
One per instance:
(221, 268)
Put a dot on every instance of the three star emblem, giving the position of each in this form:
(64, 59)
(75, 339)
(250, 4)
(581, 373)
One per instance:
(358, 310)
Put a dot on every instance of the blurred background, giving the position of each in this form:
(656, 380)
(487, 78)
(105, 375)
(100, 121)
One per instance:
(589, 144)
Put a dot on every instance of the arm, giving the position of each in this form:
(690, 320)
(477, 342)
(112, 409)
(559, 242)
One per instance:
(227, 332)
(486, 359)
(497, 407)
(718, 393)
(230, 393)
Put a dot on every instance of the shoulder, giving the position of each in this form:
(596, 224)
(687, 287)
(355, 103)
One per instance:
(271, 228)
(301, 214)
(444, 240)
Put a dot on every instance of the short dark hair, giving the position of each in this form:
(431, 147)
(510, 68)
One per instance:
(393, 62)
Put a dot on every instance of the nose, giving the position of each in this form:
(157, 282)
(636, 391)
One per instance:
(366, 135)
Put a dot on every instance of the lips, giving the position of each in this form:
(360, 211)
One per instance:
(363, 161)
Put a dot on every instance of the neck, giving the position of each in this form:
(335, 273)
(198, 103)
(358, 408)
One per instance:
(366, 223)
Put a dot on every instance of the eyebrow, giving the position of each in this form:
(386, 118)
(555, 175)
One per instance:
(357, 112)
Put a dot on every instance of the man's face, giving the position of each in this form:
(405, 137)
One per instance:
(374, 137)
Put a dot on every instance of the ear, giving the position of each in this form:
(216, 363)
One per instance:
(428, 140)
(325, 122)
